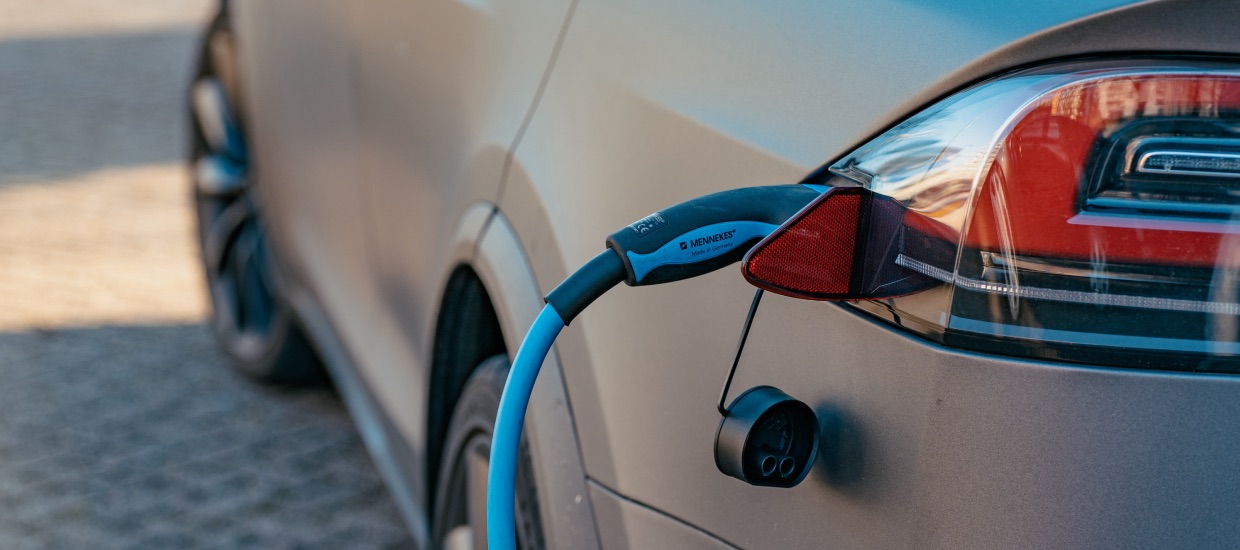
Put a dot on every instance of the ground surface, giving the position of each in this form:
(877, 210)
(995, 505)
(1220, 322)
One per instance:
(120, 422)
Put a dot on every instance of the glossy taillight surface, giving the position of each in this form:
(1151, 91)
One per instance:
(1084, 213)
(844, 246)
(813, 254)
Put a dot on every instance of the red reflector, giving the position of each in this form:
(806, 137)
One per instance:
(811, 255)
(846, 245)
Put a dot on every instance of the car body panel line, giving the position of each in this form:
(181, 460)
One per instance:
(624, 519)
(538, 95)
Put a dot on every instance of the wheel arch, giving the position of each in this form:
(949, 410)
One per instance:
(495, 268)
(467, 332)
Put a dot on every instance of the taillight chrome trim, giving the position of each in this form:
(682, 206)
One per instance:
(1071, 296)
(1141, 165)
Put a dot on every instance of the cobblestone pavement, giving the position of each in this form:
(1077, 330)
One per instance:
(139, 437)
(121, 424)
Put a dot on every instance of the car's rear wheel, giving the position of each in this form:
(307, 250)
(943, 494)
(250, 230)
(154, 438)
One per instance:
(250, 317)
(460, 507)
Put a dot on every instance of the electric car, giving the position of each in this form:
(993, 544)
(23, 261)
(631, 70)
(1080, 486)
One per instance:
(1014, 316)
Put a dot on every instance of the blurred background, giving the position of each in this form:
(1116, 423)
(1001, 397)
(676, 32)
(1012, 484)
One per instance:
(121, 424)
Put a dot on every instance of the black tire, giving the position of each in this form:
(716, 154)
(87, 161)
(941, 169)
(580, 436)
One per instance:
(465, 456)
(250, 316)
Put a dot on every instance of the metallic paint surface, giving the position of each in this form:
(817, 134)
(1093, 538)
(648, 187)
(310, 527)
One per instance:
(628, 524)
(413, 111)
(441, 88)
(942, 449)
(645, 110)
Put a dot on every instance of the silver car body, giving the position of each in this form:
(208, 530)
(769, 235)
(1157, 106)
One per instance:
(398, 140)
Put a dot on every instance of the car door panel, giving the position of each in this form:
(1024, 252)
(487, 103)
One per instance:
(296, 81)
(442, 89)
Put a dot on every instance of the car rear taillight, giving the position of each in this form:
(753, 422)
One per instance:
(1083, 212)
(844, 246)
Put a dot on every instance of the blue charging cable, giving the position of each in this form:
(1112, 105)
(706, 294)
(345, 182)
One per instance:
(502, 473)
(681, 242)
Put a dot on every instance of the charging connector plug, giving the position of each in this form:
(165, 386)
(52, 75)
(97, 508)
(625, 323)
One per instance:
(704, 234)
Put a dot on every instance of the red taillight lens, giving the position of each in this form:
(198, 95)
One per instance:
(1040, 192)
(844, 246)
(812, 256)
(1084, 212)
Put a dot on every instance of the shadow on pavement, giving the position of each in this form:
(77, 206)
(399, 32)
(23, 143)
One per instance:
(142, 436)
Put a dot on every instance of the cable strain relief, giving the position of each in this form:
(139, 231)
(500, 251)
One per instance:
(585, 285)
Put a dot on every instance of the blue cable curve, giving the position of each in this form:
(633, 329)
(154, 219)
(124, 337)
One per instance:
(506, 442)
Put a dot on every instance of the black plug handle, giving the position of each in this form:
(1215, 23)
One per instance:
(701, 235)
(574, 294)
